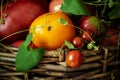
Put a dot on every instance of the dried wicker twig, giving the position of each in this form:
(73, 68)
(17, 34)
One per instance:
(7, 54)
(68, 69)
(59, 73)
(52, 53)
(6, 63)
(8, 73)
(87, 53)
(101, 75)
(15, 78)
(44, 78)
(49, 60)
(64, 64)
(88, 74)
(54, 66)
(91, 59)
(82, 67)
(7, 59)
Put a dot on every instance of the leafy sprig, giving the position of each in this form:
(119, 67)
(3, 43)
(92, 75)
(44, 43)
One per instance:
(75, 7)
(27, 57)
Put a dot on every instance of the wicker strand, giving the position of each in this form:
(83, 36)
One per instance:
(105, 60)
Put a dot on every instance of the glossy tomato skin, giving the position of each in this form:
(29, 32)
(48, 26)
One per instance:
(55, 5)
(92, 24)
(74, 58)
(52, 34)
(87, 35)
(19, 16)
(78, 42)
(85, 23)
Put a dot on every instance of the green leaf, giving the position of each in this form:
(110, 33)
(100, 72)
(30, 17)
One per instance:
(63, 21)
(111, 3)
(28, 40)
(69, 45)
(92, 45)
(76, 7)
(115, 13)
(27, 58)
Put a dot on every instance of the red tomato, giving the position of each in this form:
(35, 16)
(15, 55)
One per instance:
(32, 45)
(74, 58)
(111, 37)
(77, 42)
(55, 5)
(19, 42)
(17, 15)
(92, 24)
(86, 35)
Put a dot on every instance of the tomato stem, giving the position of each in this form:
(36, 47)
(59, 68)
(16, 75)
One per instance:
(83, 31)
(1, 19)
(1, 6)
(99, 3)
(3, 15)
(13, 34)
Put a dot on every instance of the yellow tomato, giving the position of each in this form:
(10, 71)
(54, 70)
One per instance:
(49, 32)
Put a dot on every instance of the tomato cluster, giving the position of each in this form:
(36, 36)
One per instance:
(91, 29)
(51, 26)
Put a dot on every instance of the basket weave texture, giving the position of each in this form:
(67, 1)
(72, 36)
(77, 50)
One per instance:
(98, 64)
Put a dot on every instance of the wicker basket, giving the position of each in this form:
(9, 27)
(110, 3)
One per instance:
(100, 64)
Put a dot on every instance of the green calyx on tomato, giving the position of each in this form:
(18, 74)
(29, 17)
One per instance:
(92, 45)
(98, 24)
(92, 24)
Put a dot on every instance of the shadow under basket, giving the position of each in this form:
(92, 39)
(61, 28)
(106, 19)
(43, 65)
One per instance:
(97, 65)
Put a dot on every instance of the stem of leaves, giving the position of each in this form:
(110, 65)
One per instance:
(1, 19)
(84, 32)
(3, 15)
(26, 76)
(92, 41)
(13, 34)
(1, 5)
(104, 8)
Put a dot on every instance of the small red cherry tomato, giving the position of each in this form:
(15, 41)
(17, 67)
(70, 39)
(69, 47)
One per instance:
(74, 58)
(87, 36)
(17, 43)
(77, 42)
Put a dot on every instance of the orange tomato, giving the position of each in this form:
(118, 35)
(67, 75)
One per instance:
(49, 32)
